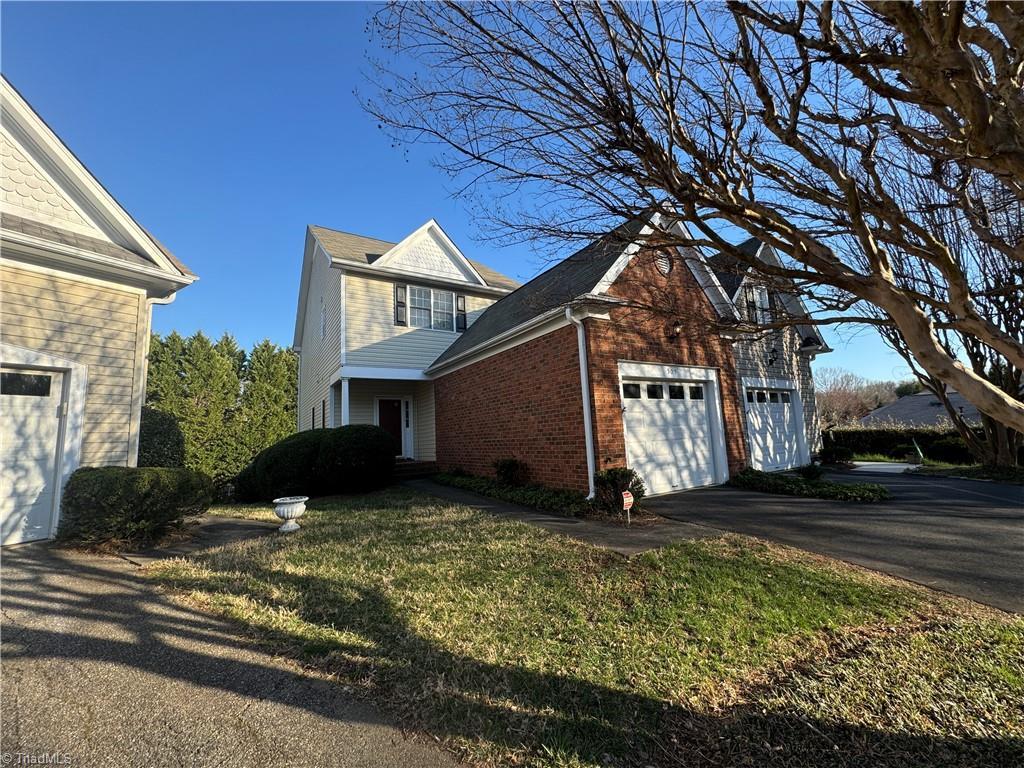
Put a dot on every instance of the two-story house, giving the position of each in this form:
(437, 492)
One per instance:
(572, 372)
(372, 316)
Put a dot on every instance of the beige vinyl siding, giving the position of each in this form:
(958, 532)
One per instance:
(373, 339)
(319, 358)
(100, 326)
(362, 397)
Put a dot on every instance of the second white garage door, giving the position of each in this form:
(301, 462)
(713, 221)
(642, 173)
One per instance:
(668, 434)
(772, 429)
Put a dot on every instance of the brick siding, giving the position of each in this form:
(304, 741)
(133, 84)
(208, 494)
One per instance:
(642, 335)
(523, 403)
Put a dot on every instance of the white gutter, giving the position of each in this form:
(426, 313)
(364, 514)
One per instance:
(588, 424)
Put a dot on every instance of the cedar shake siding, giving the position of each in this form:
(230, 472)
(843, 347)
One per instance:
(523, 403)
(636, 335)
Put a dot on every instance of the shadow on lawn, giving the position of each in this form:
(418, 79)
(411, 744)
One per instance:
(426, 687)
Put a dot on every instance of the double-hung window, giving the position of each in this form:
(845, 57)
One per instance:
(430, 308)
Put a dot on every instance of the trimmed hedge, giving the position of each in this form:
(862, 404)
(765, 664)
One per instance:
(835, 454)
(941, 445)
(133, 506)
(161, 441)
(787, 485)
(559, 502)
(320, 462)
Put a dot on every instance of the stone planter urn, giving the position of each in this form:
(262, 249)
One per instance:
(289, 509)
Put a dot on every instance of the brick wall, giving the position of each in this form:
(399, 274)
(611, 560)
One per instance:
(641, 335)
(523, 403)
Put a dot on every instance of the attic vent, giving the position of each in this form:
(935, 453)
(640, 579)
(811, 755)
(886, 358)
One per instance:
(664, 264)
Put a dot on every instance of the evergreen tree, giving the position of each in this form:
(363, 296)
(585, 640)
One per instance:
(211, 396)
(267, 410)
(228, 347)
(164, 388)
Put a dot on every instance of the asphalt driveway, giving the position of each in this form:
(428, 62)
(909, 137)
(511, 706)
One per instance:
(99, 666)
(961, 536)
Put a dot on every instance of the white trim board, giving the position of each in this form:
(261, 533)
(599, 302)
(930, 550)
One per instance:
(369, 372)
(69, 439)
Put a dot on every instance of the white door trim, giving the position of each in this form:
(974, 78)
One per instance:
(72, 423)
(408, 417)
(633, 370)
(755, 382)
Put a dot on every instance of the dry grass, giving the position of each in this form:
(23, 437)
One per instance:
(519, 647)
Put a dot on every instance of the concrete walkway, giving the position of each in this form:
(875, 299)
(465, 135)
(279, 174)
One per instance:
(99, 665)
(626, 541)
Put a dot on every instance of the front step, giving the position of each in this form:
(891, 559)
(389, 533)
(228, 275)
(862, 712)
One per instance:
(410, 470)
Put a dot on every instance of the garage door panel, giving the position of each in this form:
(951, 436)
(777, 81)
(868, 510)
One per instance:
(30, 414)
(669, 439)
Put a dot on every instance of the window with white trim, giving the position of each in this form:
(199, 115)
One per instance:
(430, 308)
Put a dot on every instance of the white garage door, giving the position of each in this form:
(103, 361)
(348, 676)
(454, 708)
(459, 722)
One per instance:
(30, 414)
(772, 429)
(668, 434)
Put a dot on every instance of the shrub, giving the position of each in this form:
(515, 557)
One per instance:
(951, 450)
(287, 468)
(512, 471)
(320, 462)
(609, 485)
(130, 505)
(359, 457)
(810, 472)
(835, 454)
(754, 480)
(161, 441)
(902, 451)
(556, 501)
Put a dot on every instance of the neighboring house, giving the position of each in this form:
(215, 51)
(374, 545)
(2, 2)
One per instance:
(921, 410)
(774, 367)
(78, 278)
(568, 373)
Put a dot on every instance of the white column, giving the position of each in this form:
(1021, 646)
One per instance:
(346, 413)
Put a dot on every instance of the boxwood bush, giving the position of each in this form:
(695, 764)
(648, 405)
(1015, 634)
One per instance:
(320, 462)
(161, 441)
(132, 506)
(608, 488)
(788, 485)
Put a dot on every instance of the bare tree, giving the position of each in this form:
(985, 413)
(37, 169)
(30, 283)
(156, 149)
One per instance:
(823, 129)
(843, 397)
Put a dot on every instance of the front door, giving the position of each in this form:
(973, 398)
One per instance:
(389, 417)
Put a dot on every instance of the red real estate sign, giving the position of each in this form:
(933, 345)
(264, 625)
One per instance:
(627, 501)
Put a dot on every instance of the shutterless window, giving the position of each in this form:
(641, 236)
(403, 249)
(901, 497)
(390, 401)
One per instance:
(631, 391)
(444, 311)
(419, 307)
(750, 396)
(25, 384)
(761, 396)
(697, 393)
(676, 392)
(773, 397)
(655, 392)
(785, 397)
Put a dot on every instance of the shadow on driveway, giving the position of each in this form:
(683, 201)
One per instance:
(961, 536)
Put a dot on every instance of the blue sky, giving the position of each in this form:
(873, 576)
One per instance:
(226, 128)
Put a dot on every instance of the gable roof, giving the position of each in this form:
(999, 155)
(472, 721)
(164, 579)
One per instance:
(358, 249)
(118, 245)
(575, 276)
(730, 270)
(921, 410)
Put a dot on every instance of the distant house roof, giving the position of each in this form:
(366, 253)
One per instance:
(921, 410)
(569, 279)
(358, 249)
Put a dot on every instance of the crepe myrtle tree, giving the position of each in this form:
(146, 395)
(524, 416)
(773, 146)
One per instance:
(826, 130)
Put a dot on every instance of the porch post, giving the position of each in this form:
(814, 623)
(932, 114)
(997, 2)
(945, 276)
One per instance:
(345, 411)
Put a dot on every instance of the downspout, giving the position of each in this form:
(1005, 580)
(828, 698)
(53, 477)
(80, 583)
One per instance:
(588, 423)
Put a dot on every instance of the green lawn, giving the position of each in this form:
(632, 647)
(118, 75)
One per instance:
(974, 472)
(518, 647)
